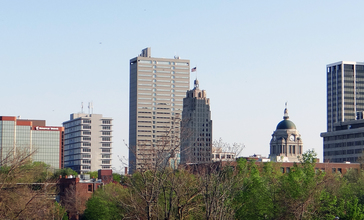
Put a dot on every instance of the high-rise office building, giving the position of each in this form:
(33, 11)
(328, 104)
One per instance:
(87, 142)
(345, 107)
(45, 143)
(157, 89)
(345, 91)
(196, 133)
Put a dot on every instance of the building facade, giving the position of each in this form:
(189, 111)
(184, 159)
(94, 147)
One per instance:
(157, 89)
(345, 143)
(286, 143)
(196, 132)
(345, 107)
(44, 143)
(88, 142)
(345, 91)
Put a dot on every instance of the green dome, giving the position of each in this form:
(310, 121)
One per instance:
(286, 124)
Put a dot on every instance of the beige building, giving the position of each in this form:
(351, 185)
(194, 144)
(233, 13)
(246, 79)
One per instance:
(196, 135)
(157, 89)
(286, 143)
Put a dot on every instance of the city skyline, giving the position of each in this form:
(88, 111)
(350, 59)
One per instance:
(257, 55)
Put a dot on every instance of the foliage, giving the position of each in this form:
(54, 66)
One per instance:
(105, 203)
(93, 174)
(25, 189)
(116, 177)
(64, 172)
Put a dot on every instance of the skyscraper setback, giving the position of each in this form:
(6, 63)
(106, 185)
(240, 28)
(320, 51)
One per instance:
(345, 108)
(157, 89)
(196, 139)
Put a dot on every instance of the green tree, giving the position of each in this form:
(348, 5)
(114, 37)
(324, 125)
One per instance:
(259, 195)
(105, 203)
(116, 177)
(64, 172)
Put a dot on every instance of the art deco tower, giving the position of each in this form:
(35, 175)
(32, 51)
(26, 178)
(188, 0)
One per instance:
(196, 135)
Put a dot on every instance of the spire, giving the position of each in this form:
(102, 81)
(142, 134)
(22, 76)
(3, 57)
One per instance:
(285, 117)
(196, 84)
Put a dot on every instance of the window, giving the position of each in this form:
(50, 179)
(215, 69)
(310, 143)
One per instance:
(86, 138)
(105, 167)
(105, 150)
(86, 121)
(86, 132)
(106, 156)
(86, 127)
(86, 161)
(89, 189)
(106, 127)
(106, 144)
(86, 150)
(106, 122)
(86, 144)
(86, 156)
(106, 139)
(105, 161)
(106, 133)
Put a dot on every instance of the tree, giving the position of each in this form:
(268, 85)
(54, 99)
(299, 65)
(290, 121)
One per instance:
(25, 184)
(105, 203)
(64, 172)
(258, 196)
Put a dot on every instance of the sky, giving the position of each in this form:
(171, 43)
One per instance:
(251, 58)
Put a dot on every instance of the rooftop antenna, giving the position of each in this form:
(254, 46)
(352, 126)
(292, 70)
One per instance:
(89, 107)
(92, 108)
(81, 107)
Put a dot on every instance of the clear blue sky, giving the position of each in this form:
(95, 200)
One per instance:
(252, 57)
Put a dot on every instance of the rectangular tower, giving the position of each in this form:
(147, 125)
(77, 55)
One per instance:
(88, 142)
(345, 91)
(44, 143)
(345, 107)
(157, 89)
(196, 135)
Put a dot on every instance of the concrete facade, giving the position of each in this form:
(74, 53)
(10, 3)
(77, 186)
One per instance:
(88, 142)
(157, 89)
(196, 133)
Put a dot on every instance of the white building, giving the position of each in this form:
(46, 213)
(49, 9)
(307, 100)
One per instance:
(87, 142)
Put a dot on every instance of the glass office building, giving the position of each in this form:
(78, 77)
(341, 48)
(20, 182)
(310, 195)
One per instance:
(45, 143)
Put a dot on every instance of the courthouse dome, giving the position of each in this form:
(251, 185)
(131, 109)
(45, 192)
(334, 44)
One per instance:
(286, 124)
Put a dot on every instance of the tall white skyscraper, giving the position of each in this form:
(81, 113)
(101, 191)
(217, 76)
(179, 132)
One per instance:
(87, 142)
(157, 89)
